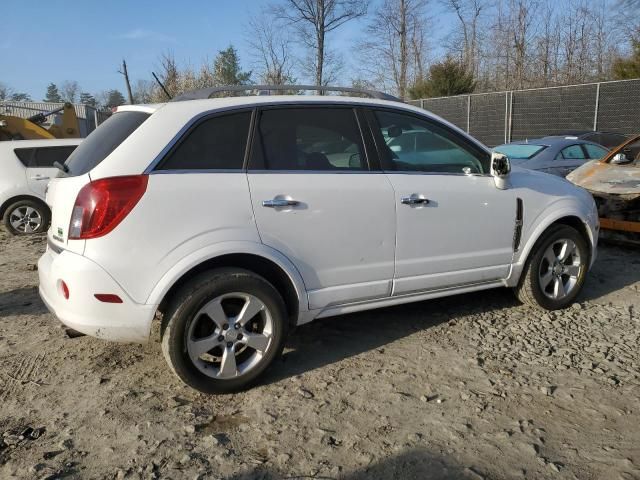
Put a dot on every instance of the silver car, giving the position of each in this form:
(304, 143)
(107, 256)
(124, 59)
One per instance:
(555, 155)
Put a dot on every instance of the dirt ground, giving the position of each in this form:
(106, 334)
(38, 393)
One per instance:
(474, 386)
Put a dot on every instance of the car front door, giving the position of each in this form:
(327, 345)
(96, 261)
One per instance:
(316, 201)
(454, 227)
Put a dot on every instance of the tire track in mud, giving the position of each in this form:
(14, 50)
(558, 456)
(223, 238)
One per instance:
(14, 375)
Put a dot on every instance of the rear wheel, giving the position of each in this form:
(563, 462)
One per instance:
(556, 269)
(223, 329)
(25, 217)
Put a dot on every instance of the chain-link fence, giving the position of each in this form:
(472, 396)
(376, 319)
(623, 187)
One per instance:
(496, 118)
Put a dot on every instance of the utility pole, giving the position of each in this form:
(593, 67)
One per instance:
(126, 79)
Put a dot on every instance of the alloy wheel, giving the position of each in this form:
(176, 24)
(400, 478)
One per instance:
(560, 269)
(25, 219)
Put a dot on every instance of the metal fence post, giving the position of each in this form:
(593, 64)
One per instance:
(510, 115)
(468, 111)
(595, 115)
(422, 104)
(506, 115)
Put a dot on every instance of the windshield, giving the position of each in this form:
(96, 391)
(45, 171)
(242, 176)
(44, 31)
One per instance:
(102, 141)
(520, 151)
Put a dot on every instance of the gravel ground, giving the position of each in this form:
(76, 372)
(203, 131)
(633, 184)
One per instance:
(474, 386)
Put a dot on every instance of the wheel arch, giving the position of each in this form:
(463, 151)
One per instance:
(17, 198)
(569, 217)
(279, 272)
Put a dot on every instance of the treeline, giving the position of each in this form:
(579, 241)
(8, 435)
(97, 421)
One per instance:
(491, 45)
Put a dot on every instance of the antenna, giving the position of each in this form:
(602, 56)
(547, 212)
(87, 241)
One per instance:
(161, 85)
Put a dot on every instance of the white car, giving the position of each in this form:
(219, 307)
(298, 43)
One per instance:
(25, 169)
(238, 218)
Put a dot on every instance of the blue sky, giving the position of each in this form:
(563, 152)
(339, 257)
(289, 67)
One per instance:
(57, 40)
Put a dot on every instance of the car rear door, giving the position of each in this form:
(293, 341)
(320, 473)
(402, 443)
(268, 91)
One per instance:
(567, 160)
(316, 201)
(453, 228)
(41, 168)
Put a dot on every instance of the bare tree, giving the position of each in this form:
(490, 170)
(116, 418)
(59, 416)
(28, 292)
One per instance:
(394, 45)
(469, 14)
(314, 20)
(272, 53)
(70, 90)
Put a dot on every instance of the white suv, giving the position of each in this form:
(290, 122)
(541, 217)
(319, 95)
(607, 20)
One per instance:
(238, 218)
(25, 169)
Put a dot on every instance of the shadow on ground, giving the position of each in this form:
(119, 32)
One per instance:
(611, 272)
(418, 464)
(21, 301)
(330, 340)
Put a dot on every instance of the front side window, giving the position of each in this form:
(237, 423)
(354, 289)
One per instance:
(594, 151)
(217, 143)
(308, 139)
(413, 144)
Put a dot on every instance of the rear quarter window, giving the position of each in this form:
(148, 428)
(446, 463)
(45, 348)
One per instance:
(104, 140)
(24, 155)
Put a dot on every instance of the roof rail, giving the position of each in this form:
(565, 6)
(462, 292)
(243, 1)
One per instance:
(204, 93)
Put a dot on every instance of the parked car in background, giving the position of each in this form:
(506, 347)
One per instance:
(555, 155)
(606, 139)
(25, 169)
(614, 183)
(238, 218)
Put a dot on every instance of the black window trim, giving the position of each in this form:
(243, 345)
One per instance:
(33, 156)
(360, 123)
(375, 130)
(185, 131)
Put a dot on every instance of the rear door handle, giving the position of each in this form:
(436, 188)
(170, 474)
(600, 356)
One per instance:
(280, 202)
(39, 177)
(414, 199)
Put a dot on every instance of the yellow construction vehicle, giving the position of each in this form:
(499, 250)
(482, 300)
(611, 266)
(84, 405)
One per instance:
(16, 128)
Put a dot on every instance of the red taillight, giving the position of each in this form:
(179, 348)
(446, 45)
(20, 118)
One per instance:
(108, 297)
(65, 289)
(102, 204)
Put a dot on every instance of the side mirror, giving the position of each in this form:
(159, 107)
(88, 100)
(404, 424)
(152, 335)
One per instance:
(500, 169)
(619, 159)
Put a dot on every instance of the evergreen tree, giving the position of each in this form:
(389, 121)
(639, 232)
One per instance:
(21, 97)
(53, 95)
(226, 69)
(627, 68)
(446, 78)
(114, 99)
(87, 99)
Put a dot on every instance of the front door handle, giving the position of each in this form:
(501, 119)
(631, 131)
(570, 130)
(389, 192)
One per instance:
(39, 177)
(280, 202)
(414, 199)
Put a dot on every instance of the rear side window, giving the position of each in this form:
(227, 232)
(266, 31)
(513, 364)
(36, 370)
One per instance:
(217, 143)
(104, 140)
(594, 151)
(308, 139)
(574, 152)
(45, 157)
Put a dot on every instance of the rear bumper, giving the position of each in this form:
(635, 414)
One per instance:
(121, 322)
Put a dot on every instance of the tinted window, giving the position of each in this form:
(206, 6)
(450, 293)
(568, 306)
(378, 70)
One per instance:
(520, 151)
(24, 155)
(218, 143)
(46, 156)
(309, 139)
(413, 144)
(593, 151)
(104, 140)
(574, 152)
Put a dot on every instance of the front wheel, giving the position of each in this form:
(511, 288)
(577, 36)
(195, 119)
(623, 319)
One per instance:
(223, 329)
(556, 269)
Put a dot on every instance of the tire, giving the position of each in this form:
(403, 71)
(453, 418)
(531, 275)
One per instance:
(25, 217)
(543, 282)
(200, 312)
